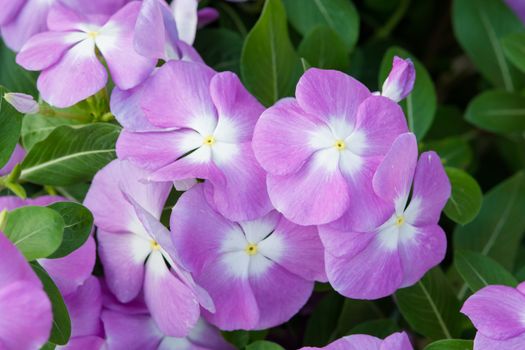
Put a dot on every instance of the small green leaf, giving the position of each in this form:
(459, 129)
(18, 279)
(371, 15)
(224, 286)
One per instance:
(37, 127)
(450, 344)
(238, 338)
(466, 198)
(220, 48)
(381, 328)
(514, 48)
(479, 271)
(322, 48)
(420, 106)
(13, 76)
(36, 231)
(498, 229)
(479, 25)
(430, 306)
(497, 111)
(323, 321)
(10, 125)
(453, 151)
(69, 155)
(61, 331)
(270, 66)
(340, 15)
(264, 345)
(78, 224)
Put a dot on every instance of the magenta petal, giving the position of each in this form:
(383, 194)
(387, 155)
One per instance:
(84, 307)
(237, 109)
(317, 194)
(421, 252)
(497, 311)
(125, 332)
(45, 49)
(72, 270)
(83, 343)
(400, 81)
(373, 272)
(393, 178)
(13, 266)
(22, 301)
(353, 342)
(431, 191)
(282, 137)
(328, 93)
(150, 36)
(23, 103)
(64, 18)
(115, 41)
(78, 67)
(123, 256)
(10, 9)
(396, 341)
(206, 16)
(16, 157)
(482, 342)
(172, 304)
(178, 96)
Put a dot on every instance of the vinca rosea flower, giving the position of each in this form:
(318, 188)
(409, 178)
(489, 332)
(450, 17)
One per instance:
(400, 250)
(208, 120)
(70, 271)
(16, 157)
(22, 298)
(396, 341)
(400, 81)
(322, 148)
(134, 247)
(259, 272)
(498, 312)
(23, 103)
(67, 54)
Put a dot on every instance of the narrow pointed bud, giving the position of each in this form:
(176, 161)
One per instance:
(22, 102)
(400, 81)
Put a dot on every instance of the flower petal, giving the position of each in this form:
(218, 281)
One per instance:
(13, 266)
(185, 13)
(396, 341)
(84, 307)
(482, 342)
(124, 332)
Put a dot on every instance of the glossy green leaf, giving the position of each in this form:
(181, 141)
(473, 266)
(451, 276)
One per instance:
(450, 344)
(61, 331)
(453, 151)
(322, 48)
(264, 345)
(10, 125)
(497, 111)
(37, 127)
(35, 231)
(466, 198)
(270, 66)
(381, 328)
(220, 48)
(78, 224)
(69, 155)
(323, 321)
(14, 77)
(420, 105)
(340, 15)
(498, 229)
(514, 49)
(479, 271)
(430, 306)
(354, 313)
(479, 25)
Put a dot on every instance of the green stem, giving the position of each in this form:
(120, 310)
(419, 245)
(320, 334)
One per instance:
(393, 21)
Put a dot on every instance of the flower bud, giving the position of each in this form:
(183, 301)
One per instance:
(400, 81)
(22, 102)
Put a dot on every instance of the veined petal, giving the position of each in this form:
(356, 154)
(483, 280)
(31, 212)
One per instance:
(84, 307)
(258, 229)
(10, 9)
(115, 41)
(65, 18)
(124, 331)
(150, 32)
(482, 342)
(79, 67)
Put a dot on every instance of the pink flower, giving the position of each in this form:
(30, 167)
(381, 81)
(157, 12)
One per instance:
(400, 81)
(396, 341)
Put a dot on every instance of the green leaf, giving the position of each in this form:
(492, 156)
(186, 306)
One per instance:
(14, 77)
(420, 106)
(270, 66)
(497, 111)
(323, 320)
(479, 271)
(220, 48)
(479, 25)
(322, 48)
(514, 49)
(498, 229)
(10, 124)
(69, 155)
(453, 151)
(37, 127)
(264, 345)
(36, 231)
(340, 15)
(381, 328)
(61, 331)
(48, 346)
(450, 344)
(78, 224)
(466, 198)
(355, 313)
(238, 338)
(430, 306)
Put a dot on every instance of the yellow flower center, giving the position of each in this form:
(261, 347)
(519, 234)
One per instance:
(339, 144)
(209, 140)
(251, 249)
(400, 220)
(92, 35)
(155, 245)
